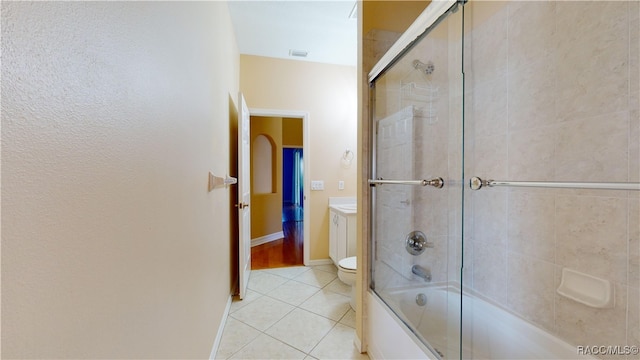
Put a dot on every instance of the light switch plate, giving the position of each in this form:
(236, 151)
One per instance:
(340, 185)
(317, 185)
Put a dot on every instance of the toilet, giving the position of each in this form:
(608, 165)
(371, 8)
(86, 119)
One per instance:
(347, 274)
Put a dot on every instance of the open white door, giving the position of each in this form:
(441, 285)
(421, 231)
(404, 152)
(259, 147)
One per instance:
(244, 195)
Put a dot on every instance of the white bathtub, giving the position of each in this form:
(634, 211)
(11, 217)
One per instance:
(488, 332)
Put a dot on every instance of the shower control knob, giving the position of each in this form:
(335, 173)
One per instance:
(416, 243)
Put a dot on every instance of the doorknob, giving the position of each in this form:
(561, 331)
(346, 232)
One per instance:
(242, 206)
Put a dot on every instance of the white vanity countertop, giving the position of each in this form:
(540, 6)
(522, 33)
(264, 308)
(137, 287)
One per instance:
(344, 205)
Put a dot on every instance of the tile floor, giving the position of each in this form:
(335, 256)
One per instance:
(291, 313)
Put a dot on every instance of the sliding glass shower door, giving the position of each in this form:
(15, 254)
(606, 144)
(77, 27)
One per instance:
(505, 184)
(417, 186)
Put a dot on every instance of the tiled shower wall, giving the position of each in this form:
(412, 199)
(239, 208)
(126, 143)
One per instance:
(551, 94)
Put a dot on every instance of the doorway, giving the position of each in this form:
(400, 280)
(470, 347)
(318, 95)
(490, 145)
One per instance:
(292, 184)
(289, 140)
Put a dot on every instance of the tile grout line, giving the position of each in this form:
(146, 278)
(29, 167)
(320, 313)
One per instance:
(335, 322)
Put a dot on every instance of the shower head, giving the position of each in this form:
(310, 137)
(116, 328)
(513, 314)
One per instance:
(428, 68)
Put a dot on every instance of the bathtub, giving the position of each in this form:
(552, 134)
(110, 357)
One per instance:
(488, 332)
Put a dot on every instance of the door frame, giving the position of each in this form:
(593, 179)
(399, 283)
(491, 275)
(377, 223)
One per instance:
(304, 115)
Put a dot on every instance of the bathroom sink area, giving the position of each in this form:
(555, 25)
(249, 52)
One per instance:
(346, 208)
(343, 205)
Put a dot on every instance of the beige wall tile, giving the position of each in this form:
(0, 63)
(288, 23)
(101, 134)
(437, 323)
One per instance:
(591, 236)
(633, 321)
(487, 48)
(531, 32)
(634, 242)
(531, 154)
(454, 259)
(634, 137)
(467, 263)
(430, 146)
(431, 211)
(490, 221)
(634, 10)
(490, 271)
(490, 157)
(592, 58)
(490, 107)
(634, 49)
(531, 225)
(593, 149)
(532, 96)
(531, 289)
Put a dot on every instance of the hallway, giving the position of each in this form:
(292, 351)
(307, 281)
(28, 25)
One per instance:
(291, 313)
(287, 251)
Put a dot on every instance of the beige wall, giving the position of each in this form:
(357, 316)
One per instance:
(266, 208)
(328, 93)
(391, 15)
(292, 132)
(112, 116)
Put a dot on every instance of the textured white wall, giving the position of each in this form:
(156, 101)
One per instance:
(112, 115)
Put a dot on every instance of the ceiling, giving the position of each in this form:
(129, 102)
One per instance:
(322, 28)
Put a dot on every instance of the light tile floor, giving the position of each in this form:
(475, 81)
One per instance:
(291, 313)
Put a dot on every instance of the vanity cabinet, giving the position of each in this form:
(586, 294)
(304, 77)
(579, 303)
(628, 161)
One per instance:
(342, 235)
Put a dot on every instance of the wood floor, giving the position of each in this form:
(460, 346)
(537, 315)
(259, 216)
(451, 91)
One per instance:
(284, 252)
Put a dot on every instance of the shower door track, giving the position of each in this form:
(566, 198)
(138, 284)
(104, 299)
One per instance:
(477, 183)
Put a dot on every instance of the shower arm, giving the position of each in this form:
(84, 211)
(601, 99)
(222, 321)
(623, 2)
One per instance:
(436, 182)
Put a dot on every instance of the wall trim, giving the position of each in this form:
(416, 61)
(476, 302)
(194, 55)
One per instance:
(357, 343)
(267, 238)
(318, 262)
(223, 322)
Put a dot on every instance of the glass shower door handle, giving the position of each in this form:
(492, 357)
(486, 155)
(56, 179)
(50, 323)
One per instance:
(435, 182)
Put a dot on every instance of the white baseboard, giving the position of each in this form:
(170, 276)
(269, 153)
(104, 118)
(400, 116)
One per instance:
(267, 238)
(223, 322)
(319, 262)
(357, 343)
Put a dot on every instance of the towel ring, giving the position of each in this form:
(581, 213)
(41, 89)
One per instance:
(347, 158)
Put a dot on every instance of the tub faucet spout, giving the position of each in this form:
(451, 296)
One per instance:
(421, 272)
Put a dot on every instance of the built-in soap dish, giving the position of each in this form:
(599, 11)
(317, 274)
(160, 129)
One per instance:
(586, 289)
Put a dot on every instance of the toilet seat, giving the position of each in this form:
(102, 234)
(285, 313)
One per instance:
(348, 264)
(347, 274)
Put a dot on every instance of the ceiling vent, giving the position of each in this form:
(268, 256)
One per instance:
(298, 53)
